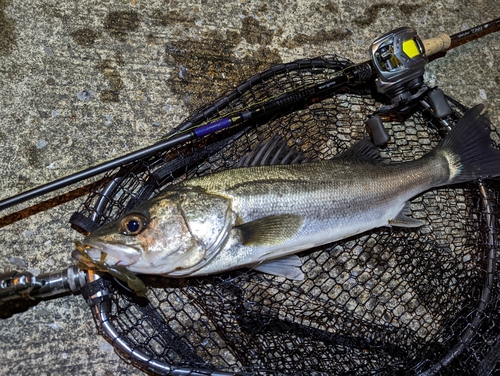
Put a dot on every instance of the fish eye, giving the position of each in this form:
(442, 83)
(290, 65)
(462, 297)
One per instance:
(133, 224)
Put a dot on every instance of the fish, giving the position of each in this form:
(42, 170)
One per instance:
(260, 214)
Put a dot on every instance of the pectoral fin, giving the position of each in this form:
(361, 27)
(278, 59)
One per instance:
(288, 267)
(402, 219)
(271, 230)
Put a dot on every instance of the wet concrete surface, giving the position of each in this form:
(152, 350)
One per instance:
(88, 81)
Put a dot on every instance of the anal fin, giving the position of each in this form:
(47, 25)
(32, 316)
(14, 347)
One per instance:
(403, 219)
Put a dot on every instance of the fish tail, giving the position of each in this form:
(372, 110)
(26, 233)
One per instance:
(469, 150)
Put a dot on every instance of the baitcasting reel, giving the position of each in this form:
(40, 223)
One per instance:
(399, 58)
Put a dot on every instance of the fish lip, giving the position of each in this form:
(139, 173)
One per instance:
(109, 249)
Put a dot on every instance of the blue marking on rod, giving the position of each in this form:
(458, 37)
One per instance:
(212, 127)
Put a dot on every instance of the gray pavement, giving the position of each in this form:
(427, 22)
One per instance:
(87, 81)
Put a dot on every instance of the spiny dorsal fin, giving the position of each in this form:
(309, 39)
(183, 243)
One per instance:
(362, 151)
(272, 152)
(271, 230)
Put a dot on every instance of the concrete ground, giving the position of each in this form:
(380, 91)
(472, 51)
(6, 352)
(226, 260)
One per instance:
(87, 81)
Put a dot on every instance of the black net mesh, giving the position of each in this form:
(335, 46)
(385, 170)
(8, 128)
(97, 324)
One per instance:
(388, 301)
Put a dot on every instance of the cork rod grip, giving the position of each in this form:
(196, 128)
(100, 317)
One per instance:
(437, 44)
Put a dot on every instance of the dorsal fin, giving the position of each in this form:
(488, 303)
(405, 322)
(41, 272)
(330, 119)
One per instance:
(362, 151)
(275, 151)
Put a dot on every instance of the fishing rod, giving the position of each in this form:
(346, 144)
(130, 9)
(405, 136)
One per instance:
(385, 69)
(397, 60)
(397, 64)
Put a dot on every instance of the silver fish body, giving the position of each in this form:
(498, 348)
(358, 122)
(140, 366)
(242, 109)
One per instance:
(297, 207)
(260, 216)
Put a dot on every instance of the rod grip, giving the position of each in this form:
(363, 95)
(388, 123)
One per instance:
(437, 44)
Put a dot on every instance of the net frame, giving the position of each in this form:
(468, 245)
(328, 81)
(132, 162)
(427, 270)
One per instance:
(145, 178)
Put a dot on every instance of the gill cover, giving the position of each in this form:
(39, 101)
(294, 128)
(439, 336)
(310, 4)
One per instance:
(195, 226)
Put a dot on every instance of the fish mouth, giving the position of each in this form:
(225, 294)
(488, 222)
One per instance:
(92, 253)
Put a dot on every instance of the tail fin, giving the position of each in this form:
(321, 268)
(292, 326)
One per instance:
(468, 148)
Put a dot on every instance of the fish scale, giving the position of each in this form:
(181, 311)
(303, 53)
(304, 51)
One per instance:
(362, 196)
